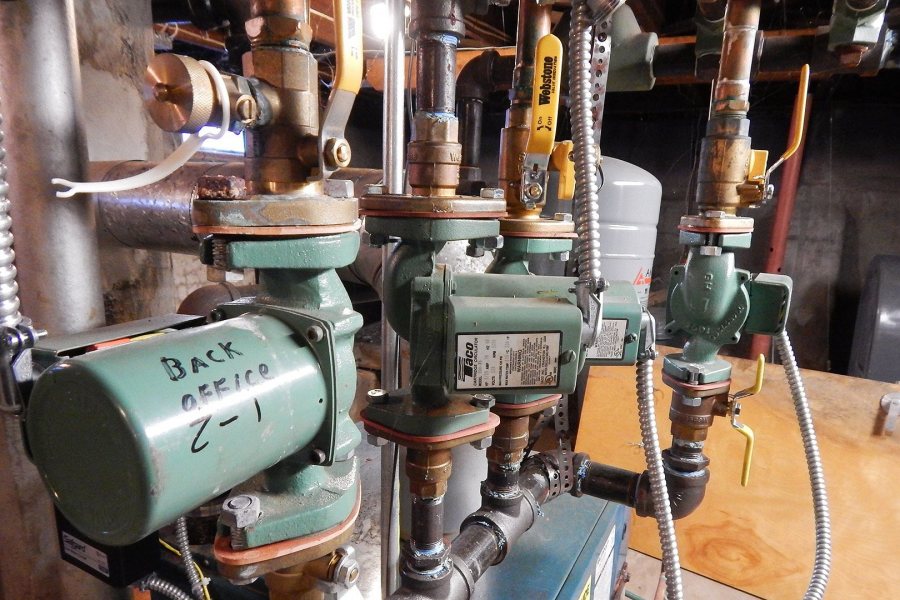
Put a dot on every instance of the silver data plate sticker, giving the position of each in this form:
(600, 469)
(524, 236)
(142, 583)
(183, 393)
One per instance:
(507, 360)
(85, 553)
(610, 344)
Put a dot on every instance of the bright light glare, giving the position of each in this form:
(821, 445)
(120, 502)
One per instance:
(232, 143)
(379, 20)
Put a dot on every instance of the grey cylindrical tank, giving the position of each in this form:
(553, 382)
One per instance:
(629, 211)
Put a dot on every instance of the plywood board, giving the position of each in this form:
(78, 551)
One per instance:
(760, 539)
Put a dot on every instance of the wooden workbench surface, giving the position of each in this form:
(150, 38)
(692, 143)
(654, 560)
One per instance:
(760, 539)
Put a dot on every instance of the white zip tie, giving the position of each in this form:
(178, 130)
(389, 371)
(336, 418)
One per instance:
(172, 163)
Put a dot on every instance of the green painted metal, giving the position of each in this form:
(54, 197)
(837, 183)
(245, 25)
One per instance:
(317, 253)
(770, 302)
(708, 300)
(714, 303)
(129, 438)
(299, 498)
(850, 26)
(404, 414)
(513, 257)
(620, 331)
(432, 230)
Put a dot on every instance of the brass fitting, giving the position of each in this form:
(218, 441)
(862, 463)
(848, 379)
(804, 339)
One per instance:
(435, 155)
(282, 154)
(692, 414)
(428, 472)
(509, 441)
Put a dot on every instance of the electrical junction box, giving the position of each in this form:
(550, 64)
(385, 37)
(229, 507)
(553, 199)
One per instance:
(513, 345)
(118, 566)
(576, 551)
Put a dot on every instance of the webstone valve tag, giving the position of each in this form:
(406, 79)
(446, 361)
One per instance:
(507, 360)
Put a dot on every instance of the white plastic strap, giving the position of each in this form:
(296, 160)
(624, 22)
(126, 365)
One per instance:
(172, 163)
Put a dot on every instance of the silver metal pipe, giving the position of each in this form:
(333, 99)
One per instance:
(157, 216)
(59, 269)
(392, 162)
(9, 288)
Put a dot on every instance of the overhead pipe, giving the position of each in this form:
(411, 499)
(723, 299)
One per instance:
(487, 73)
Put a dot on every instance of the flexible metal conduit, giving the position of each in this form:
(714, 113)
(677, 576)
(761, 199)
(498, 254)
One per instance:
(161, 586)
(662, 510)
(587, 216)
(183, 544)
(822, 563)
(9, 289)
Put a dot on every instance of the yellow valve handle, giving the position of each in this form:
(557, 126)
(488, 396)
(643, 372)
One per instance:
(748, 450)
(560, 162)
(545, 95)
(758, 382)
(349, 41)
(799, 118)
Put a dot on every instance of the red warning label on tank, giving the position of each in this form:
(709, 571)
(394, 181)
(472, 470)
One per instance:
(644, 277)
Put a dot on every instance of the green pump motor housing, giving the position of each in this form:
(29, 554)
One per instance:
(130, 437)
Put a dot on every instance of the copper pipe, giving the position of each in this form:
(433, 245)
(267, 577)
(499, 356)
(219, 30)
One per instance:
(534, 23)
(732, 94)
(725, 151)
(784, 210)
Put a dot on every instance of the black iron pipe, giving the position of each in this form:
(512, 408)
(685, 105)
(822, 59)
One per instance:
(686, 488)
(486, 537)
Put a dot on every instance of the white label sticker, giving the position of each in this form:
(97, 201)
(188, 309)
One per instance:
(603, 572)
(85, 553)
(610, 344)
(507, 360)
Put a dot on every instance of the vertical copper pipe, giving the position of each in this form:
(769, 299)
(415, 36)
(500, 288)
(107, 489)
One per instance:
(725, 151)
(784, 210)
(534, 23)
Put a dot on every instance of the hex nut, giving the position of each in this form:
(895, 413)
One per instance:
(492, 193)
(240, 511)
(374, 440)
(483, 400)
(483, 443)
(565, 217)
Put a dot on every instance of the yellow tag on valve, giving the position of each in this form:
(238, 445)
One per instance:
(545, 95)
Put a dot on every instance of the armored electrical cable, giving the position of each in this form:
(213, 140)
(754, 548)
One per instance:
(161, 586)
(187, 559)
(586, 209)
(661, 508)
(822, 563)
(9, 289)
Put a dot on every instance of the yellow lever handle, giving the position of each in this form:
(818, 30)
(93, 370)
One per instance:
(748, 450)
(799, 118)
(758, 382)
(545, 95)
(560, 162)
(349, 52)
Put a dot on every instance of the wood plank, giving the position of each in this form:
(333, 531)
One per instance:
(760, 539)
